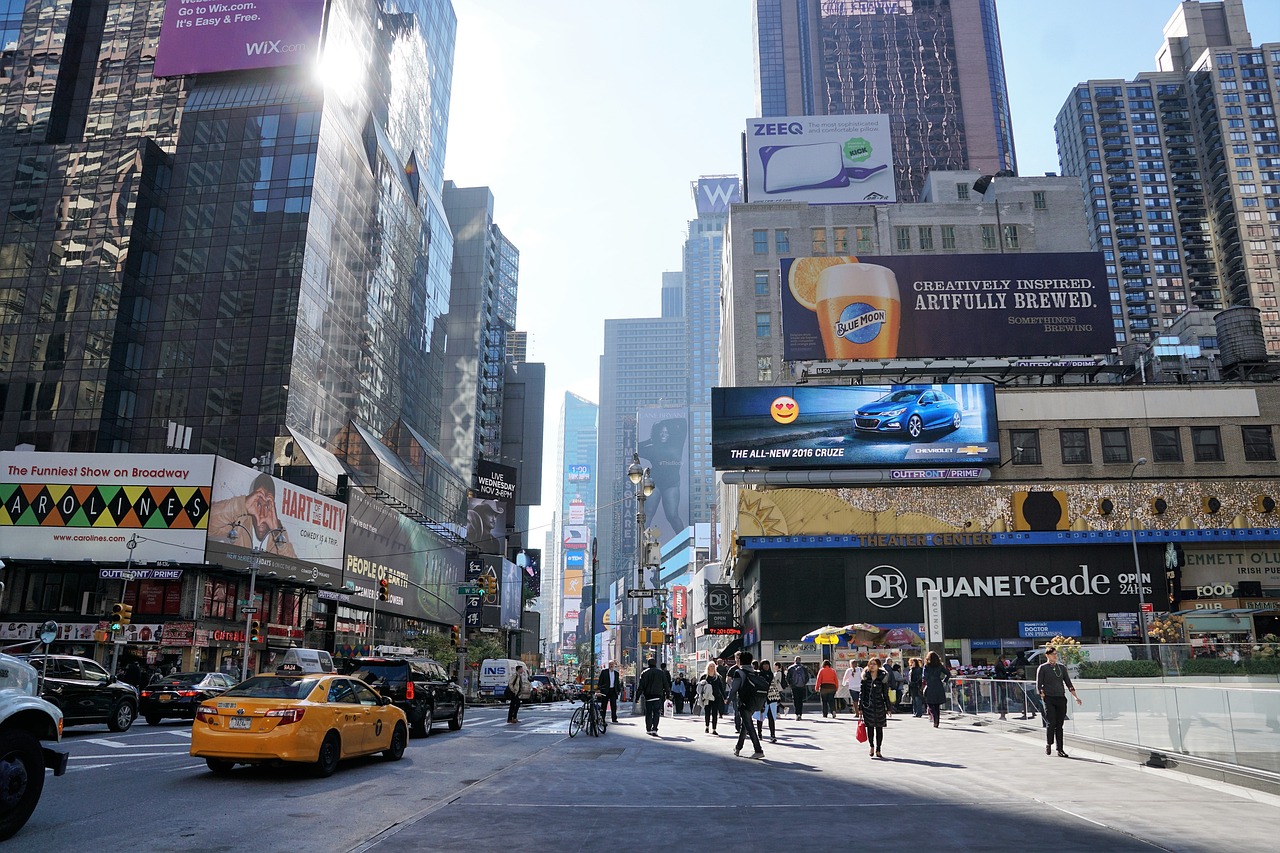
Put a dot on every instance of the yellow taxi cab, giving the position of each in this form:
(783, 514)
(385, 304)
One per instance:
(297, 715)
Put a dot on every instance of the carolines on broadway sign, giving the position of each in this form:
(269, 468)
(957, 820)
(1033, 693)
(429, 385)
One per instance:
(987, 592)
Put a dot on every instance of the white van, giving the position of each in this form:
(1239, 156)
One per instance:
(306, 660)
(494, 673)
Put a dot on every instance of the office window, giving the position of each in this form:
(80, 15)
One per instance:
(1024, 444)
(763, 327)
(903, 236)
(1258, 445)
(962, 192)
(1011, 236)
(1166, 445)
(762, 282)
(764, 368)
(841, 238)
(819, 241)
(1206, 444)
(1038, 200)
(863, 237)
(760, 240)
(989, 237)
(948, 236)
(1075, 446)
(926, 238)
(1115, 445)
(782, 241)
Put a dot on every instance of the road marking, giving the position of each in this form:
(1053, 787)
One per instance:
(129, 755)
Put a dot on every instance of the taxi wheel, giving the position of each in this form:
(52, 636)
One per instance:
(122, 717)
(330, 752)
(219, 766)
(399, 738)
(455, 722)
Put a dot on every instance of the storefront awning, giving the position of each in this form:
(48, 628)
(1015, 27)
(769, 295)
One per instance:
(727, 651)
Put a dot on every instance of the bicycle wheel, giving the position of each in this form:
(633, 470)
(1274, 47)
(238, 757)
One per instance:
(577, 720)
(593, 723)
(604, 721)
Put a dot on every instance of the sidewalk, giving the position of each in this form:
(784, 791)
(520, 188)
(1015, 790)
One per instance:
(958, 787)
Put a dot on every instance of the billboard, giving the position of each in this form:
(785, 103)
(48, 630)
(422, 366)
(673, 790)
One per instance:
(572, 584)
(81, 506)
(423, 572)
(664, 449)
(820, 159)
(854, 426)
(576, 537)
(714, 194)
(579, 473)
(259, 520)
(945, 306)
(491, 508)
(198, 37)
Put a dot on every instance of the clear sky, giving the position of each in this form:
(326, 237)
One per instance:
(589, 119)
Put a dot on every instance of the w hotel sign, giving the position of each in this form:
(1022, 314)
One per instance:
(81, 506)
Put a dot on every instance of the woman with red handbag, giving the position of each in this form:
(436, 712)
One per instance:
(875, 706)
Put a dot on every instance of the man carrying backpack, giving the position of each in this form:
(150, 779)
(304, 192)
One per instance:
(752, 690)
(798, 678)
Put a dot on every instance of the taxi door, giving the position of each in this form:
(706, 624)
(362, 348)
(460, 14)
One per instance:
(380, 718)
(351, 717)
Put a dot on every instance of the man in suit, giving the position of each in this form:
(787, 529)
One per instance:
(610, 684)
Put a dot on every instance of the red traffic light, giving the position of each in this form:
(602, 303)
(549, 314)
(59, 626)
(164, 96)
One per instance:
(383, 593)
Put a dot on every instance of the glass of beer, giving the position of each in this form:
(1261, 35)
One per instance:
(859, 310)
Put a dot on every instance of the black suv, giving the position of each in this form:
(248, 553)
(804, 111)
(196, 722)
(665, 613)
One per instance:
(418, 686)
(85, 692)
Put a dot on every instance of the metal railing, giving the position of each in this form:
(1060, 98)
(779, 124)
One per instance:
(1230, 724)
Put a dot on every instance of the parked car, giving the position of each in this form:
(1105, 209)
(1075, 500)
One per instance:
(30, 729)
(418, 686)
(911, 412)
(180, 694)
(549, 690)
(85, 692)
(297, 717)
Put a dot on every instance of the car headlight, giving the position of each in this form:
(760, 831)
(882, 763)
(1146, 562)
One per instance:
(893, 413)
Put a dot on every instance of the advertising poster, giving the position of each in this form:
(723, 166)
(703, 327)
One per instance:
(713, 195)
(203, 36)
(664, 450)
(572, 584)
(820, 159)
(423, 573)
(87, 506)
(259, 520)
(850, 426)
(945, 306)
(491, 509)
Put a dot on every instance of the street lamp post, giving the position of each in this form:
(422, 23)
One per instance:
(251, 609)
(639, 477)
(1137, 567)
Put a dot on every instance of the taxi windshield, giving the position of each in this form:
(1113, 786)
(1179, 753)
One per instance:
(274, 687)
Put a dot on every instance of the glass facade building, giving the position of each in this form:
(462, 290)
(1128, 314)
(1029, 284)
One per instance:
(253, 256)
(933, 66)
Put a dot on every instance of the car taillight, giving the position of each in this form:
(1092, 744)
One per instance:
(408, 690)
(146, 693)
(203, 712)
(185, 693)
(286, 715)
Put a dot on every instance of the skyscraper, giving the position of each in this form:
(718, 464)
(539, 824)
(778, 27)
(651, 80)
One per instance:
(934, 67)
(1180, 170)
(241, 248)
(575, 502)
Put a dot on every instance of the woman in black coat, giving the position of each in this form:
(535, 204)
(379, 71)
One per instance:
(874, 702)
(935, 686)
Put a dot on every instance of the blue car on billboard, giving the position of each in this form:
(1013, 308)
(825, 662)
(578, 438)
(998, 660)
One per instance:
(910, 412)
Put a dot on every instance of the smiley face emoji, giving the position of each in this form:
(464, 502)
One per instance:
(785, 410)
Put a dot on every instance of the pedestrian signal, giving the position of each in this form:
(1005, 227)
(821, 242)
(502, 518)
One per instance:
(644, 636)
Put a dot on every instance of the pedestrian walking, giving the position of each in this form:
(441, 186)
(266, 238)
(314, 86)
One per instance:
(798, 678)
(666, 688)
(519, 688)
(827, 682)
(852, 681)
(915, 686)
(1053, 682)
(681, 689)
(784, 689)
(652, 692)
(875, 704)
(1001, 675)
(772, 697)
(711, 697)
(749, 695)
(610, 684)
(936, 678)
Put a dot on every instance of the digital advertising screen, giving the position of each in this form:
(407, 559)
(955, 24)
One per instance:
(854, 426)
(945, 306)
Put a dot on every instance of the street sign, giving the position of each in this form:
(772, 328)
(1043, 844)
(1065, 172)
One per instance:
(652, 611)
(248, 610)
(1148, 607)
(469, 590)
(641, 593)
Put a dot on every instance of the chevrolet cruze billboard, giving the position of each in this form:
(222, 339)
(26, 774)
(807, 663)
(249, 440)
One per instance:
(854, 426)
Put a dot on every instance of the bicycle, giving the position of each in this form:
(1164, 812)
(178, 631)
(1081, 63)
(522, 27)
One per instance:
(590, 716)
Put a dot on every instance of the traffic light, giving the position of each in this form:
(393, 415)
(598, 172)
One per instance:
(121, 614)
(662, 621)
(383, 593)
(255, 632)
(455, 635)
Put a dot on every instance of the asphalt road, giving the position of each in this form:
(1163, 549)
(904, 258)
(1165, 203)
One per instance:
(530, 787)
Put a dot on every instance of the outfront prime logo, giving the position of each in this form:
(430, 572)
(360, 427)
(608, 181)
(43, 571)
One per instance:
(886, 586)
